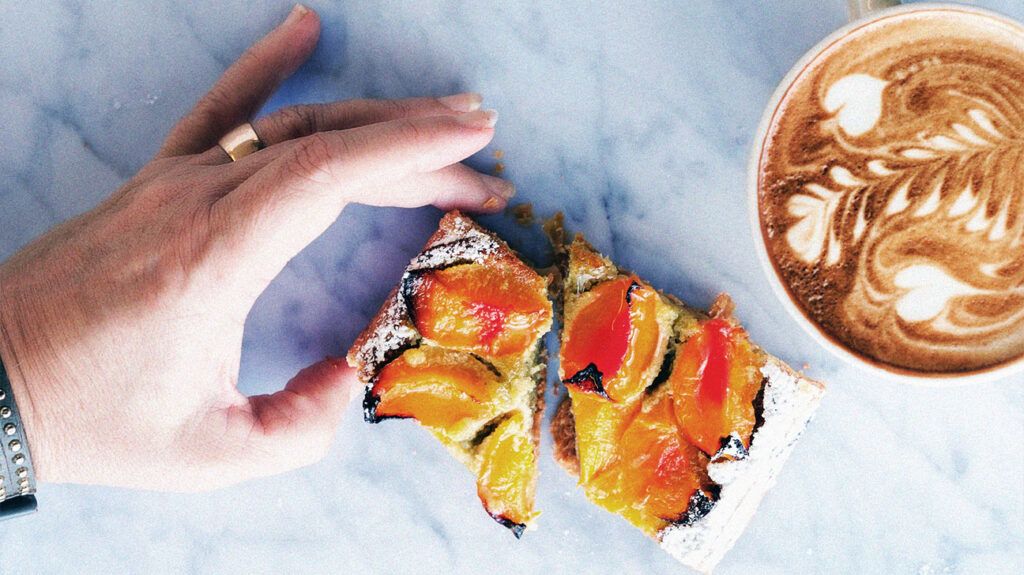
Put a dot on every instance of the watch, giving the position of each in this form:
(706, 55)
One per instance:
(17, 477)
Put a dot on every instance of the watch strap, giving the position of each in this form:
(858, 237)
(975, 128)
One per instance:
(17, 476)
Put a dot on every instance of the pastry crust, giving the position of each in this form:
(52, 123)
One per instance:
(539, 400)
(563, 432)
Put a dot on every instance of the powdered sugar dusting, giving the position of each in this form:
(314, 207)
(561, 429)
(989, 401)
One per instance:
(463, 242)
(473, 249)
(393, 332)
(789, 402)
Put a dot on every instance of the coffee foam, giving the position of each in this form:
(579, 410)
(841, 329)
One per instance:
(891, 190)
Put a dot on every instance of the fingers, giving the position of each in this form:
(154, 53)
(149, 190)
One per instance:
(298, 121)
(291, 201)
(295, 426)
(457, 187)
(247, 84)
(454, 187)
(295, 122)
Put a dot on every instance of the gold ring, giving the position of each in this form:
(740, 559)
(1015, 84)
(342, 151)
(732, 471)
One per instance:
(241, 142)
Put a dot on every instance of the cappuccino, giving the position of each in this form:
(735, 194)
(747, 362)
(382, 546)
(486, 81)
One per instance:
(891, 190)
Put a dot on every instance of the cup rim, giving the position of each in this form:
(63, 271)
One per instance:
(848, 357)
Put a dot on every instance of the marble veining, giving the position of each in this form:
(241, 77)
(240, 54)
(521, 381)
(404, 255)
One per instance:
(636, 119)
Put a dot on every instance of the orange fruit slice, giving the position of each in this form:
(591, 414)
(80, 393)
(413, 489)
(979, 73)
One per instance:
(599, 428)
(613, 340)
(447, 391)
(507, 477)
(492, 310)
(714, 382)
(655, 471)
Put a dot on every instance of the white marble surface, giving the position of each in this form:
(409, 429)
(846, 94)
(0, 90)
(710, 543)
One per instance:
(635, 120)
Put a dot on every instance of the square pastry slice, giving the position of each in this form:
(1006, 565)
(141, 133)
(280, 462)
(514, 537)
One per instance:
(673, 419)
(457, 347)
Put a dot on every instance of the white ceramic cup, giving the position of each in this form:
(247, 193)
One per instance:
(862, 13)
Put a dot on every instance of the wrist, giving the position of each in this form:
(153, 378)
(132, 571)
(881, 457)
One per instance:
(17, 470)
(18, 375)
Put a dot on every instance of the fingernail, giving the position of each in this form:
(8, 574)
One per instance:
(466, 102)
(504, 189)
(296, 14)
(479, 119)
(492, 203)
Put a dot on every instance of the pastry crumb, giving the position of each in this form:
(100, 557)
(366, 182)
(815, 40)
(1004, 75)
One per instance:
(498, 154)
(499, 168)
(523, 214)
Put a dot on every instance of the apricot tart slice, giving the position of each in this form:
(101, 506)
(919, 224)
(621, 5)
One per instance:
(673, 418)
(457, 347)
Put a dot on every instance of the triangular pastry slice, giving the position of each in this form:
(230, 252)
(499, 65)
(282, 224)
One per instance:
(457, 346)
(673, 419)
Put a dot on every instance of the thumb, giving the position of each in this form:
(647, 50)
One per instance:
(295, 426)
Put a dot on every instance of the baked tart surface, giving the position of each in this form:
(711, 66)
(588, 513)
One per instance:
(673, 419)
(457, 347)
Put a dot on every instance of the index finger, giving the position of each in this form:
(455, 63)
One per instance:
(291, 201)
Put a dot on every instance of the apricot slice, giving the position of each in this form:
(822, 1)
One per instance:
(444, 390)
(495, 310)
(599, 428)
(507, 477)
(656, 472)
(613, 340)
(714, 382)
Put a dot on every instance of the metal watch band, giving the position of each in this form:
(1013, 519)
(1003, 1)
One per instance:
(17, 477)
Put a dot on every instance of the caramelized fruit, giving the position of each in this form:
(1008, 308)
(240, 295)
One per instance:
(655, 473)
(447, 391)
(496, 310)
(599, 428)
(507, 477)
(613, 340)
(714, 382)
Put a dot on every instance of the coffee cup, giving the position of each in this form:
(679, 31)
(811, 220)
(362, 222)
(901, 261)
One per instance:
(886, 193)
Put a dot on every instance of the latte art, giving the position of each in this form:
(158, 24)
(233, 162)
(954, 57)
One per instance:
(891, 189)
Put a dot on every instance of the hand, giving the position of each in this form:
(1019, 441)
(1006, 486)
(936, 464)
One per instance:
(121, 329)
